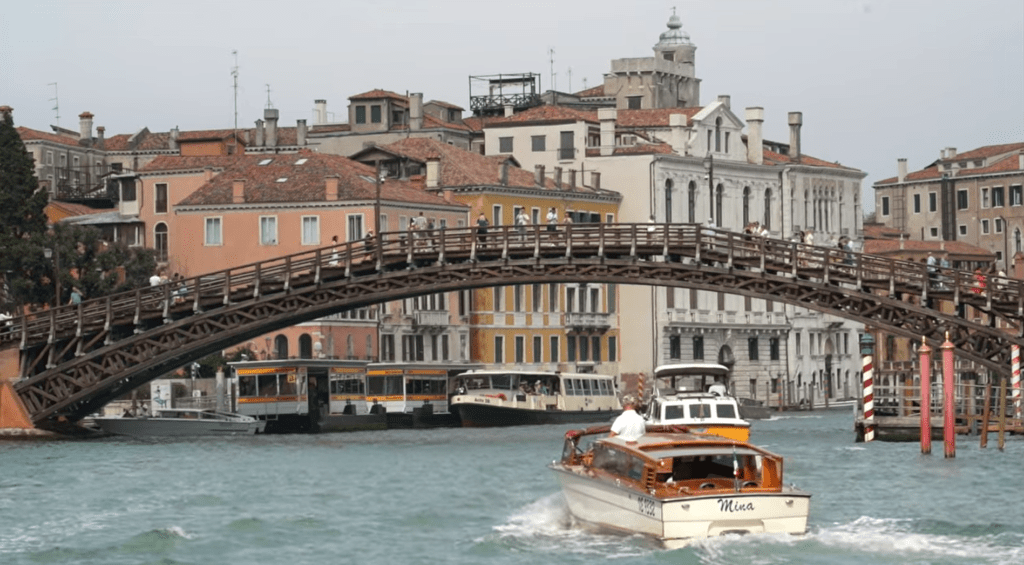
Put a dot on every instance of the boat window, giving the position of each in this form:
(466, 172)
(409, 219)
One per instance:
(505, 382)
(577, 384)
(347, 386)
(636, 468)
(424, 386)
(375, 385)
(247, 385)
(569, 391)
(288, 384)
(588, 388)
(611, 460)
(700, 410)
(726, 411)
(675, 412)
(268, 385)
(477, 383)
(602, 387)
(393, 386)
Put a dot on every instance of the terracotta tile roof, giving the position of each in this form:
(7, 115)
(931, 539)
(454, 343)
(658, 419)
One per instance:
(931, 172)
(773, 158)
(205, 135)
(141, 141)
(286, 137)
(476, 123)
(430, 122)
(892, 246)
(329, 128)
(56, 210)
(546, 114)
(379, 93)
(305, 182)
(638, 149)
(172, 163)
(36, 135)
(882, 231)
(448, 105)
(1006, 164)
(465, 169)
(591, 92)
(658, 117)
(987, 151)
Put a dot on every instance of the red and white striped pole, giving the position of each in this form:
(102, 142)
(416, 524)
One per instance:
(948, 433)
(926, 397)
(1015, 380)
(866, 350)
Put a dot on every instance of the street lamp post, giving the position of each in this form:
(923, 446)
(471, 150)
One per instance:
(55, 254)
(709, 166)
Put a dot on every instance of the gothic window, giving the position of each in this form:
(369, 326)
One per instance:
(692, 203)
(668, 200)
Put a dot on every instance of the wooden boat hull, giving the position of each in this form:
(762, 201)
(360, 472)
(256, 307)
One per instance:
(681, 520)
(475, 415)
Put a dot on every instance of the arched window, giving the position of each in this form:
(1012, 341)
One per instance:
(305, 346)
(718, 134)
(719, 191)
(767, 208)
(692, 203)
(280, 347)
(746, 205)
(668, 201)
(160, 241)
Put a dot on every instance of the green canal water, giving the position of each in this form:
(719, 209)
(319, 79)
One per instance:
(477, 496)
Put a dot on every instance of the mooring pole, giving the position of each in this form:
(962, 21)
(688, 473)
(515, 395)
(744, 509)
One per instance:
(1002, 413)
(867, 346)
(948, 433)
(983, 442)
(926, 397)
(1015, 380)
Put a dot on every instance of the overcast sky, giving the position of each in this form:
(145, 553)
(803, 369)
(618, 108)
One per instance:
(875, 80)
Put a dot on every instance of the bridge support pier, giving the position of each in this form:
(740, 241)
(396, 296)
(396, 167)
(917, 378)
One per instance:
(13, 415)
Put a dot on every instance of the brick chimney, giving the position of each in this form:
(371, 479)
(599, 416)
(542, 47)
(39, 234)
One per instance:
(572, 179)
(238, 191)
(300, 132)
(99, 136)
(796, 119)
(433, 172)
(416, 111)
(607, 118)
(331, 188)
(85, 127)
(538, 175)
(755, 135)
(595, 180)
(901, 175)
(504, 173)
(271, 115)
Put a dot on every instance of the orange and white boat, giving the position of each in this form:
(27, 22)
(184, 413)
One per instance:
(677, 486)
(678, 401)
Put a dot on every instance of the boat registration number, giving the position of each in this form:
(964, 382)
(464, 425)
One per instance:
(645, 506)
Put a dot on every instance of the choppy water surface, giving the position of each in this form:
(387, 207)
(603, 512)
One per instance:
(469, 496)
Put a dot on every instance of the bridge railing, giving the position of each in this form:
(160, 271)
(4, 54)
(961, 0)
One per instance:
(642, 241)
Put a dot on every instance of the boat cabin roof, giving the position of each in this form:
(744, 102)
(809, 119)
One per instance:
(532, 374)
(663, 445)
(690, 369)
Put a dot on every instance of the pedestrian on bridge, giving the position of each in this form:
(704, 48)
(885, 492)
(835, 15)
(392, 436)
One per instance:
(481, 227)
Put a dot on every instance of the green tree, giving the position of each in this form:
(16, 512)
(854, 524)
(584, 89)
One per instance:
(79, 256)
(22, 219)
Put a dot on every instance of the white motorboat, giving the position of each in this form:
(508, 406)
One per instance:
(677, 402)
(677, 486)
(173, 422)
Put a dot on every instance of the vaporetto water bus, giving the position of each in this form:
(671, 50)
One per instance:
(410, 394)
(306, 395)
(513, 398)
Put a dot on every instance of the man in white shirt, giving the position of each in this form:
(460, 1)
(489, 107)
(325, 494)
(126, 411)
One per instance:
(629, 425)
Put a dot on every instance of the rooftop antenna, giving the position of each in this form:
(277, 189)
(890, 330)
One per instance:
(584, 83)
(56, 102)
(269, 103)
(234, 77)
(551, 55)
(570, 79)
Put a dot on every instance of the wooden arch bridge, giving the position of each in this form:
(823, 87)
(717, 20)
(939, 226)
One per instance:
(76, 358)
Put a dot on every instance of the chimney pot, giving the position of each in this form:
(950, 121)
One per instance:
(572, 179)
(558, 177)
(259, 133)
(509, 111)
(321, 111)
(416, 111)
(755, 135)
(595, 180)
(433, 172)
(902, 168)
(85, 127)
(300, 132)
(271, 115)
(238, 191)
(504, 173)
(607, 117)
(796, 119)
(172, 139)
(538, 175)
(725, 99)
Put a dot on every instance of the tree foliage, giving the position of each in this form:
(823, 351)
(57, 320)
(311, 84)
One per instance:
(79, 256)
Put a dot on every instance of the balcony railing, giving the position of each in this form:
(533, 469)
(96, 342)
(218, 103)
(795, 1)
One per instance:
(588, 320)
(431, 318)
